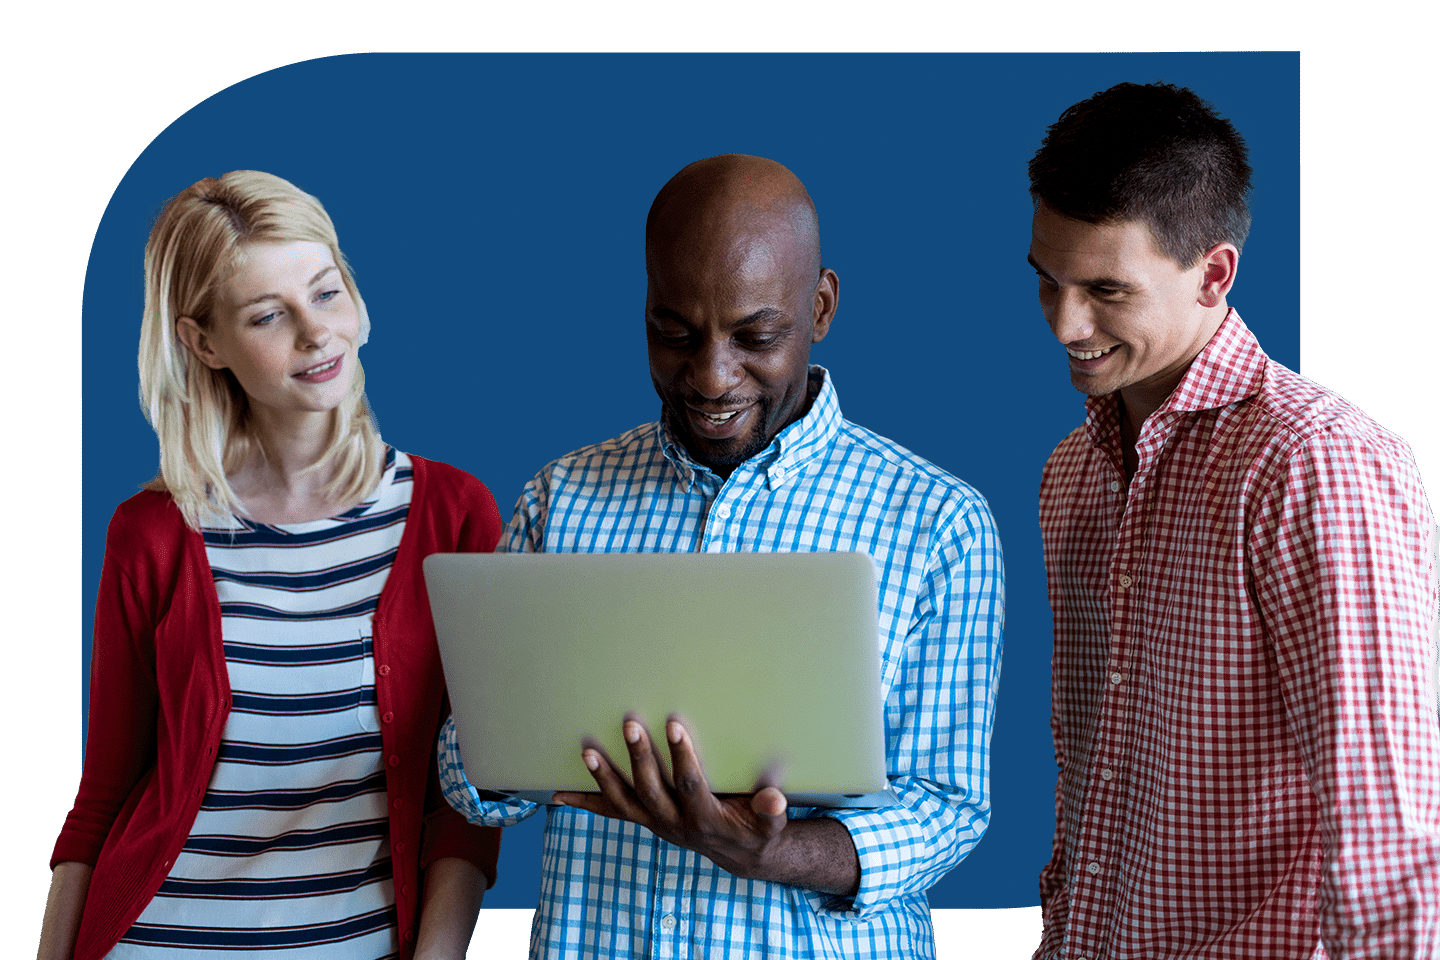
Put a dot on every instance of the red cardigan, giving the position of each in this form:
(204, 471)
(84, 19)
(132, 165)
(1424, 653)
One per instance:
(160, 695)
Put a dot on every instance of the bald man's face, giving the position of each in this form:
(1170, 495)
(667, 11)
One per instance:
(730, 320)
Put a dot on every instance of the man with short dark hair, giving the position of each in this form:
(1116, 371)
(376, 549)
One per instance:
(752, 455)
(1239, 570)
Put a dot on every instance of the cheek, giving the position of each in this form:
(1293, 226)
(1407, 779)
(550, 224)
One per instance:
(350, 328)
(662, 369)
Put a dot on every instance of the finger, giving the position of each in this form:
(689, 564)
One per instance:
(589, 744)
(615, 798)
(769, 806)
(649, 786)
(691, 786)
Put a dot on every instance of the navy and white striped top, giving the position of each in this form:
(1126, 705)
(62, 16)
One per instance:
(289, 854)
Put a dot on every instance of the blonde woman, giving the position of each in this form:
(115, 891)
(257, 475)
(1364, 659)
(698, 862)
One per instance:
(265, 688)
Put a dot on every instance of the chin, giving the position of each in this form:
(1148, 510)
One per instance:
(1092, 387)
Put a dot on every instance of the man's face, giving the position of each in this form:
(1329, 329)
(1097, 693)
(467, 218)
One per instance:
(1130, 318)
(729, 322)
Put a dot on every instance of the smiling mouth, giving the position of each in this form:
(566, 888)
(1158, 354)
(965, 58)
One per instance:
(717, 424)
(319, 368)
(1088, 354)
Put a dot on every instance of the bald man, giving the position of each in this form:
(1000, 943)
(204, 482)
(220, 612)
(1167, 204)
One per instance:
(751, 454)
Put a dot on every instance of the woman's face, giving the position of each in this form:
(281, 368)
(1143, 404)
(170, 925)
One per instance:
(286, 326)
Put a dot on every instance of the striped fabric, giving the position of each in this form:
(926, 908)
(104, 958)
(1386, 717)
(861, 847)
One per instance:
(610, 888)
(288, 857)
(1244, 723)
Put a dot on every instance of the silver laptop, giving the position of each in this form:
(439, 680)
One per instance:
(772, 661)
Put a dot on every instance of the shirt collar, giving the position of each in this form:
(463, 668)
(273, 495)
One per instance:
(1229, 369)
(802, 440)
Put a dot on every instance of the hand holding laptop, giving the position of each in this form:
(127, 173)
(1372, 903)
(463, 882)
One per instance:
(748, 835)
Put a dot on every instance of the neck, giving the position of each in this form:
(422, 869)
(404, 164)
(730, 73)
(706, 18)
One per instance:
(293, 445)
(1139, 400)
(285, 480)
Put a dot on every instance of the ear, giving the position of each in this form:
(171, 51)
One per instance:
(197, 341)
(827, 299)
(1220, 264)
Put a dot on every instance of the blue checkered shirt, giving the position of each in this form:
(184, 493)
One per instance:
(611, 888)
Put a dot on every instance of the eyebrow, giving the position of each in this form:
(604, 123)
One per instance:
(275, 296)
(1092, 282)
(763, 315)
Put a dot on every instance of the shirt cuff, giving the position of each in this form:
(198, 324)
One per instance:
(903, 849)
(460, 794)
(884, 847)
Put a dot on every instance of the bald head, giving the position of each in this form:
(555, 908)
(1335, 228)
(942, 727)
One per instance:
(730, 199)
(734, 299)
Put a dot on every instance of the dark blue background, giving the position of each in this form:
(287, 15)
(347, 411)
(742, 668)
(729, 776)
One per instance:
(493, 208)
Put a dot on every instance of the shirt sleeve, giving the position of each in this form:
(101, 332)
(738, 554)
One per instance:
(1054, 877)
(939, 714)
(484, 806)
(1054, 904)
(478, 806)
(526, 531)
(1345, 581)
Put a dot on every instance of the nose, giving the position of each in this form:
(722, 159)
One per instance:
(715, 370)
(1068, 315)
(311, 330)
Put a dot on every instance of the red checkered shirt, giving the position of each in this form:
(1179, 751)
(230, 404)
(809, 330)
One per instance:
(1242, 699)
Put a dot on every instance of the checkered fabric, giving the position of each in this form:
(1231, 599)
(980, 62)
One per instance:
(610, 888)
(1244, 723)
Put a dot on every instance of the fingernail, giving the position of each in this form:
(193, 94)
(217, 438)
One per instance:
(632, 732)
(674, 731)
(591, 761)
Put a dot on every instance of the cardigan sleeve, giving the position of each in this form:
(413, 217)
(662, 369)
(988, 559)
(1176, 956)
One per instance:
(136, 581)
(477, 530)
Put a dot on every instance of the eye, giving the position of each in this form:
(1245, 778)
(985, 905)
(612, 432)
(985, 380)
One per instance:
(326, 295)
(262, 321)
(759, 341)
(670, 336)
(1044, 279)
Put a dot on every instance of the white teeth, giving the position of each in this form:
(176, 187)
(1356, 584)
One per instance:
(320, 369)
(1088, 354)
(719, 417)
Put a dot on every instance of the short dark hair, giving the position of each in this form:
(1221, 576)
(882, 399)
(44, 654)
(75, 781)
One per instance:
(1156, 153)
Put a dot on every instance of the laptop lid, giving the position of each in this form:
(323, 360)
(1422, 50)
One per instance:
(771, 660)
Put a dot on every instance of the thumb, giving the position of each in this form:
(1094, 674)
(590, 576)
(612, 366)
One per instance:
(769, 804)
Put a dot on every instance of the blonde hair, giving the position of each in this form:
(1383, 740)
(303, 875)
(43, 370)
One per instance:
(202, 416)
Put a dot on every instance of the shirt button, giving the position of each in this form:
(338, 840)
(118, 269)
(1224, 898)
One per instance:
(722, 511)
(394, 759)
(397, 802)
(1116, 677)
(1114, 486)
(387, 717)
(384, 670)
(1125, 581)
(400, 848)
(668, 922)
(1094, 868)
(1104, 775)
